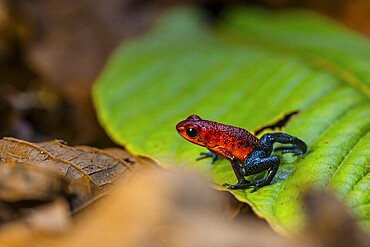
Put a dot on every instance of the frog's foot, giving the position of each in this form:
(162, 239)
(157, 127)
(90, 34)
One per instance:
(205, 155)
(259, 184)
(239, 185)
(294, 149)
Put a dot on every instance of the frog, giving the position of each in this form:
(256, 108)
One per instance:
(247, 154)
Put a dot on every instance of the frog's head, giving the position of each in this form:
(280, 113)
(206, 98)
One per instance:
(191, 129)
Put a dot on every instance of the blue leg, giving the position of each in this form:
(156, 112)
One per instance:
(258, 162)
(242, 182)
(298, 147)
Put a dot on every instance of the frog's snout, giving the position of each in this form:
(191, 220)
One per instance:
(180, 128)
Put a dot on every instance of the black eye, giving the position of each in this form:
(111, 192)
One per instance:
(191, 132)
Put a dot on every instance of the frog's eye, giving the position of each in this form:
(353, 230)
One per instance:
(192, 133)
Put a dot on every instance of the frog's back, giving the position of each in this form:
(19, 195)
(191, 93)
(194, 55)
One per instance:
(235, 140)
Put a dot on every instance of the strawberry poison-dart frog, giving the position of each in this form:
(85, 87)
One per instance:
(247, 154)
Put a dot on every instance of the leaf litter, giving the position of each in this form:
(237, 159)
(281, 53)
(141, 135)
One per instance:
(167, 208)
(52, 178)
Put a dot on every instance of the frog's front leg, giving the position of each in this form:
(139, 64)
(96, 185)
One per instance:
(242, 182)
(258, 162)
(205, 155)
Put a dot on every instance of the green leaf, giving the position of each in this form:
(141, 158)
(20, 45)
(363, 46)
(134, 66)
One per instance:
(250, 71)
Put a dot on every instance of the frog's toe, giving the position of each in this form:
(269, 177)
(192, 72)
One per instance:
(237, 186)
(205, 155)
(229, 186)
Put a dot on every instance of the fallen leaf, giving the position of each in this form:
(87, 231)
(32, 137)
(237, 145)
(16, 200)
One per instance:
(83, 172)
(25, 181)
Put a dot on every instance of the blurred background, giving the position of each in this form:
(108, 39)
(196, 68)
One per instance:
(52, 51)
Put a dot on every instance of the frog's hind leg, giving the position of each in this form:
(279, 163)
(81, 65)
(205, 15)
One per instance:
(298, 147)
(258, 162)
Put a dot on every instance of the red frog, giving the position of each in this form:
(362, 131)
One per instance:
(247, 154)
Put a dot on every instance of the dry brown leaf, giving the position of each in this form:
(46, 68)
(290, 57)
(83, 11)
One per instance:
(24, 181)
(14, 150)
(25, 185)
(87, 171)
(102, 167)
